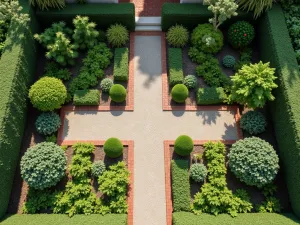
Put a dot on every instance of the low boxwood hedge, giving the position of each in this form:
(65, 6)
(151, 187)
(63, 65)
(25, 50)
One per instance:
(121, 69)
(210, 95)
(87, 97)
(175, 66)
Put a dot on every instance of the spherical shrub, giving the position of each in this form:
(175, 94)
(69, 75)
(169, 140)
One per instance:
(184, 145)
(240, 34)
(113, 147)
(106, 84)
(47, 123)
(190, 81)
(253, 122)
(117, 35)
(178, 36)
(228, 61)
(117, 93)
(98, 168)
(207, 39)
(47, 94)
(198, 172)
(43, 165)
(179, 93)
(253, 161)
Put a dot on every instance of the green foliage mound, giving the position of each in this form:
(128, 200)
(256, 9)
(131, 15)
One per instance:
(175, 66)
(117, 35)
(253, 161)
(113, 147)
(179, 93)
(43, 165)
(47, 123)
(228, 61)
(184, 145)
(178, 36)
(210, 95)
(87, 97)
(52, 69)
(245, 59)
(241, 34)
(121, 65)
(117, 93)
(253, 122)
(106, 84)
(190, 81)
(198, 172)
(98, 168)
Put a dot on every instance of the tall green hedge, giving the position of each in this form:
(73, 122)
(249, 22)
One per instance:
(276, 47)
(102, 14)
(17, 69)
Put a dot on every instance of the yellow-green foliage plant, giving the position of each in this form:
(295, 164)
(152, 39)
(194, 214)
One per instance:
(257, 6)
(48, 4)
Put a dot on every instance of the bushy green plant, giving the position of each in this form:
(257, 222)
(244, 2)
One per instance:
(228, 61)
(179, 93)
(47, 123)
(175, 66)
(197, 56)
(177, 36)
(207, 39)
(270, 205)
(98, 168)
(198, 172)
(117, 93)
(4, 25)
(121, 65)
(87, 97)
(210, 95)
(240, 34)
(253, 161)
(113, 147)
(47, 94)
(43, 165)
(183, 145)
(11, 11)
(253, 122)
(48, 4)
(102, 36)
(253, 85)
(258, 7)
(52, 70)
(245, 59)
(106, 84)
(190, 81)
(117, 35)
(52, 138)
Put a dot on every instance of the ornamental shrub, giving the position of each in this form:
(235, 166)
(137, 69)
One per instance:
(190, 81)
(198, 172)
(240, 34)
(117, 35)
(210, 95)
(52, 69)
(117, 93)
(175, 66)
(258, 7)
(121, 65)
(113, 147)
(46, 5)
(197, 56)
(98, 168)
(179, 93)
(184, 145)
(253, 122)
(47, 94)
(43, 165)
(228, 61)
(177, 36)
(106, 84)
(87, 97)
(253, 161)
(245, 59)
(207, 39)
(47, 123)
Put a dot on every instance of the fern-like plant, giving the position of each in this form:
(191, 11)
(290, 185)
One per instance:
(257, 6)
(47, 4)
(117, 35)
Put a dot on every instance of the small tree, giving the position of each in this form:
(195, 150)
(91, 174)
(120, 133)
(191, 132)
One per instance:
(222, 10)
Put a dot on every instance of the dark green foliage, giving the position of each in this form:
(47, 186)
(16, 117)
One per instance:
(113, 147)
(190, 81)
(117, 35)
(46, 5)
(199, 57)
(253, 122)
(198, 172)
(179, 93)
(87, 97)
(228, 61)
(51, 138)
(210, 95)
(175, 66)
(102, 36)
(184, 145)
(117, 93)
(180, 185)
(47, 123)
(245, 59)
(106, 84)
(4, 25)
(241, 34)
(52, 69)
(98, 168)
(121, 69)
(177, 36)
(271, 205)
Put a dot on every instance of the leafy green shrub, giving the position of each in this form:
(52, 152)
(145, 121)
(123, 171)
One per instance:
(43, 165)
(228, 61)
(179, 93)
(106, 84)
(102, 36)
(45, 5)
(198, 172)
(207, 39)
(245, 59)
(117, 35)
(197, 56)
(4, 25)
(53, 70)
(210, 95)
(117, 93)
(240, 34)
(253, 161)
(47, 94)
(47, 123)
(51, 138)
(253, 84)
(183, 145)
(177, 36)
(175, 66)
(190, 81)
(113, 147)
(271, 205)
(253, 122)
(87, 97)
(180, 185)
(121, 68)
(98, 168)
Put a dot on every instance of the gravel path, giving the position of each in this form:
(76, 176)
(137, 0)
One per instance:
(149, 126)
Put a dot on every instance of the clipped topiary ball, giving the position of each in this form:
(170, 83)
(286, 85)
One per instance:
(228, 61)
(253, 122)
(43, 165)
(198, 172)
(106, 84)
(113, 147)
(47, 123)
(240, 34)
(180, 93)
(190, 81)
(98, 168)
(117, 93)
(47, 94)
(117, 35)
(184, 145)
(178, 36)
(253, 161)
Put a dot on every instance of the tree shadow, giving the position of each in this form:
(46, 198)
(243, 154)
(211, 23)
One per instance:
(230, 132)
(209, 117)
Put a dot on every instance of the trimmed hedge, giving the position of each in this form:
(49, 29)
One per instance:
(276, 47)
(175, 66)
(87, 97)
(210, 95)
(121, 68)
(102, 14)
(180, 185)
